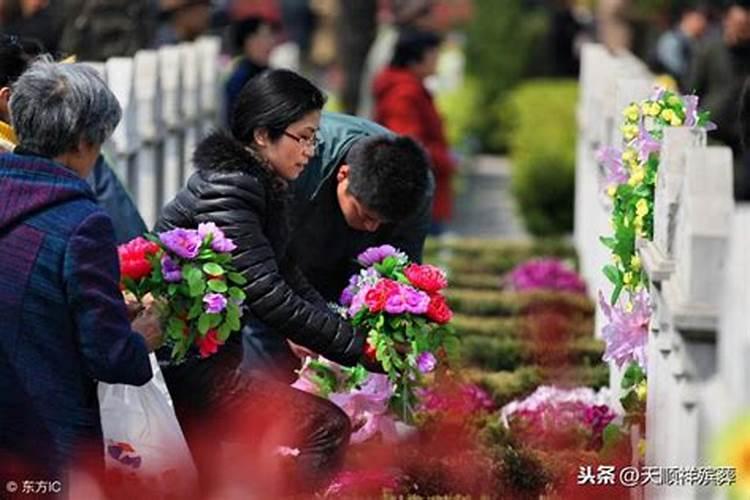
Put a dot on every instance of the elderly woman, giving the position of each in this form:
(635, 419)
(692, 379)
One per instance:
(64, 322)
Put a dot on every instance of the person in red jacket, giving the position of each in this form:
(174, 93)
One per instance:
(404, 105)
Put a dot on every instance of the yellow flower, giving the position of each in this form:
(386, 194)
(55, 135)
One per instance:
(642, 448)
(629, 132)
(641, 207)
(627, 278)
(651, 108)
(671, 117)
(629, 155)
(641, 390)
(612, 190)
(631, 113)
(628, 306)
(731, 448)
(635, 263)
(637, 175)
(616, 259)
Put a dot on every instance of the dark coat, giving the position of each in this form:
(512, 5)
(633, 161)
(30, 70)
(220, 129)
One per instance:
(404, 105)
(64, 323)
(234, 191)
(323, 245)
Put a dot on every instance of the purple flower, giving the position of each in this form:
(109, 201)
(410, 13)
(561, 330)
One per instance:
(550, 274)
(214, 302)
(416, 301)
(375, 255)
(219, 242)
(426, 362)
(626, 335)
(358, 301)
(367, 408)
(646, 144)
(170, 270)
(658, 93)
(611, 159)
(186, 243)
(346, 297)
(395, 304)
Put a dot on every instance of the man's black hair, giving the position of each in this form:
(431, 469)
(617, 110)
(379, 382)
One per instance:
(15, 55)
(412, 45)
(388, 175)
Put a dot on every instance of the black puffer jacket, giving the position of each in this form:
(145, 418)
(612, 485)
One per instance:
(232, 189)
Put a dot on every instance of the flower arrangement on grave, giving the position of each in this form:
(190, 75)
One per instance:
(545, 274)
(189, 273)
(566, 417)
(631, 173)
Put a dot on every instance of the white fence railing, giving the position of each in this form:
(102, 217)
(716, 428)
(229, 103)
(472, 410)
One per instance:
(170, 97)
(699, 343)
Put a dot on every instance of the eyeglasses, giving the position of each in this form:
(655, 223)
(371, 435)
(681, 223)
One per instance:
(311, 142)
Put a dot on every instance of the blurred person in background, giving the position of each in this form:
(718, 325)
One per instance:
(564, 36)
(65, 324)
(403, 104)
(403, 15)
(357, 28)
(15, 55)
(182, 21)
(298, 20)
(253, 38)
(719, 69)
(95, 30)
(676, 47)
(37, 19)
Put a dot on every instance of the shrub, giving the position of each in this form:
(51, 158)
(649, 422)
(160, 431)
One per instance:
(542, 148)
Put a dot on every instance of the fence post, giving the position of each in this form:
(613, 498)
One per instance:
(190, 99)
(171, 99)
(125, 139)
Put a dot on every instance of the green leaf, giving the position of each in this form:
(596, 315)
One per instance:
(236, 294)
(214, 319)
(204, 323)
(217, 285)
(213, 269)
(633, 376)
(615, 294)
(237, 278)
(612, 273)
(608, 242)
(233, 317)
(197, 288)
(224, 331)
(195, 310)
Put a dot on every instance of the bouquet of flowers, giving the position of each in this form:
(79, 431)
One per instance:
(400, 305)
(189, 273)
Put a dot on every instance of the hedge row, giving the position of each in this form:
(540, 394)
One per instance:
(494, 303)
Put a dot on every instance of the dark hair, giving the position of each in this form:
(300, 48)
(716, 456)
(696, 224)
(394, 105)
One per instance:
(273, 100)
(15, 55)
(248, 27)
(412, 45)
(389, 175)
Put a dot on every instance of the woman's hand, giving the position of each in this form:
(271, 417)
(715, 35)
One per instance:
(148, 324)
(301, 352)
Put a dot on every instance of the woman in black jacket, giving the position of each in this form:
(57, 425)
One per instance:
(241, 186)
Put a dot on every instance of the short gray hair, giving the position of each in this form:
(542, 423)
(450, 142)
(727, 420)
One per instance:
(54, 106)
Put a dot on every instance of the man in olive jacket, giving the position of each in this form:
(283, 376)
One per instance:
(365, 187)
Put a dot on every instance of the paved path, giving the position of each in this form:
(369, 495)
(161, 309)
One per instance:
(484, 206)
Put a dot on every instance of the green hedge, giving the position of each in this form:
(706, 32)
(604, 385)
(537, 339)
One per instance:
(516, 326)
(542, 148)
(492, 303)
(496, 354)
(500, 50)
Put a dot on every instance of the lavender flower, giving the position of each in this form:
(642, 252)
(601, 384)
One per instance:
(186, 243)
(646, 144)
(426, 362)
(219, 242)
(367, 408)
(170, 270)
(626, 335)
(395, 304)
(358, 301)
(611, 160)
(214, 302)
(375, 255)
(691, 110)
